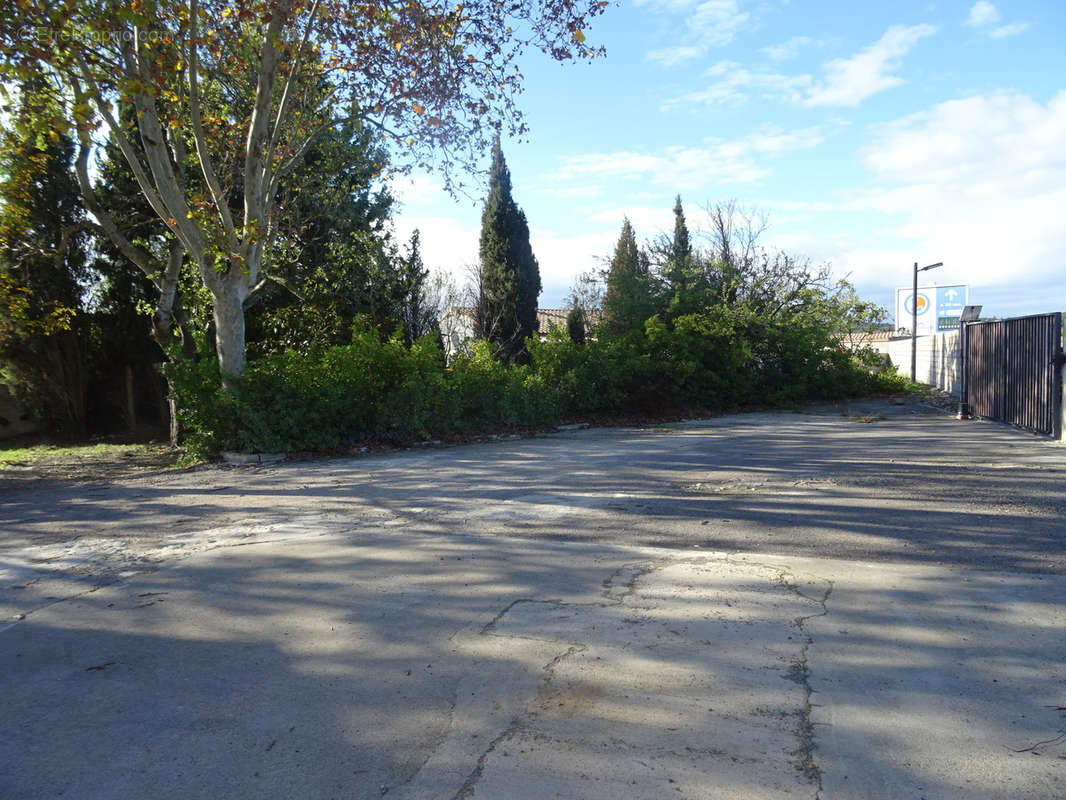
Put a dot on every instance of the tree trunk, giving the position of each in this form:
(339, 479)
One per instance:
(172, 408)
(168, 312)
(188, 341)
(229, 330)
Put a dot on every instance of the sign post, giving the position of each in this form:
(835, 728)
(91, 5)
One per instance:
(914, 317)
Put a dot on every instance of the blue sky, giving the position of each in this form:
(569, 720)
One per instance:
(870, 135)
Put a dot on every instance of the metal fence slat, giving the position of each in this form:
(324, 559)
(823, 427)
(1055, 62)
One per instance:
(1012, 371)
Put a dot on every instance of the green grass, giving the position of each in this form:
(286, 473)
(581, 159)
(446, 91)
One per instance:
(52, 454)
(919, 389)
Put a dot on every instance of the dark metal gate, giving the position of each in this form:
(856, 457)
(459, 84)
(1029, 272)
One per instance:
(1012, 371)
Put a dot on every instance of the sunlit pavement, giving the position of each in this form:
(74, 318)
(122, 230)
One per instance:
(758, 606)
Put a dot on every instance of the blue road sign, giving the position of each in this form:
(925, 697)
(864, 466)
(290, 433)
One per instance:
(939, 308)
(950, 301)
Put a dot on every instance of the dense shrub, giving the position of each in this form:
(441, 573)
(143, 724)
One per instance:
(207, 414)
(682, 332)
(326, 399)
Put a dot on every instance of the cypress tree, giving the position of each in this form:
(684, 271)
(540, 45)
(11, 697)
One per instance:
(628, 301)
(681, 246)
(506, 313)
(416, 317)
(679, 269)
(575, 325)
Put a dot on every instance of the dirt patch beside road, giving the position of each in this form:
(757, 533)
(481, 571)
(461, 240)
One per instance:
(31, 461)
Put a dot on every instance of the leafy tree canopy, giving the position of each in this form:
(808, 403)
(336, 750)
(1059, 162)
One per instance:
(229, 96)
(43, 268)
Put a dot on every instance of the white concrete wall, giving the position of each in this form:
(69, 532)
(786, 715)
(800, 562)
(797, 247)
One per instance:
(938, 359)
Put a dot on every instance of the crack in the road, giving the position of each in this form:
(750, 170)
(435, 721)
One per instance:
(517, 722)
(491, 624)
(471, 782)
(628, 588)
(549, 668)
(453, 702)
(18, 618)
(614, 596)
(800, 673)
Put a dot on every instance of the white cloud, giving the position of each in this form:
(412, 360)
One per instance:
(849, 81)
(778, 142)
(681, 168)
(978, 183)
(647, 221)
(1000, 134)
(415, 188)
(451, 247)
(672, 56)
(846, 82)
(982, 13)
(986, 16)
(449, 237)
(711, 23)
(605, 164)
(447, 245)
(787, 50)
(563, 258)
(667, 5)
(716, 22)
(586, 191)
(804, 206)
(1013, 29)
(732, 83)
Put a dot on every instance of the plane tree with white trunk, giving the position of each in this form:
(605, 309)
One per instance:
(228, 96)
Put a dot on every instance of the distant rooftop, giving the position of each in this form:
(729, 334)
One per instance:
(861, 337)
(546, 317)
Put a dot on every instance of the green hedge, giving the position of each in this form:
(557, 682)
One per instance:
(328, 399)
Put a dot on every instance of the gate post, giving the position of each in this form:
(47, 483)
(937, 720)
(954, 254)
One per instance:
(1058, 408)
(964, 397)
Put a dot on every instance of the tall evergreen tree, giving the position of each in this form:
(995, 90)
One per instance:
(682, 268)
(416, 314)
(506, 313)
(575, 325)
(629, 300)
(334, 260)
(680, 253)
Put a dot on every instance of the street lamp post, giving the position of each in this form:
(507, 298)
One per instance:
(914, 318)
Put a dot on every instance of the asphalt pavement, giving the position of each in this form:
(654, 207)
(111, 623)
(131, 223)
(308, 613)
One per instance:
(857, 601)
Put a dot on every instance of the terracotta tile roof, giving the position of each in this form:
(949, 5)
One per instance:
(875, 336)
(546, 317)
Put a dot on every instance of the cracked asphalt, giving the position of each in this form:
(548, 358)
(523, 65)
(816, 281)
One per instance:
(860, 601)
